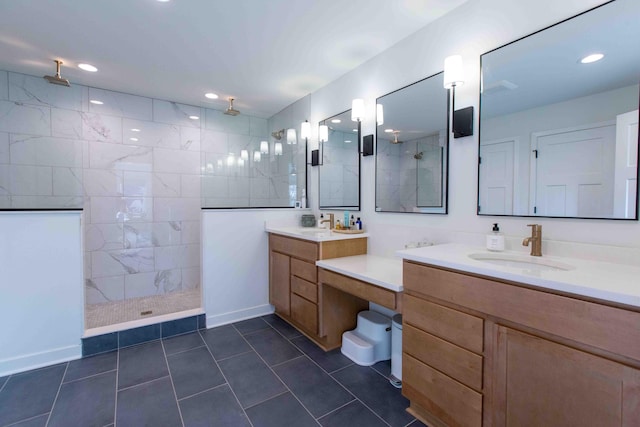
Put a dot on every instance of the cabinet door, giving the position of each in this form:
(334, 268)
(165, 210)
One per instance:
(543, 383)
(279, 285)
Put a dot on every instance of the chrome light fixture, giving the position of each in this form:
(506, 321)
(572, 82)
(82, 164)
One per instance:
(462, 120)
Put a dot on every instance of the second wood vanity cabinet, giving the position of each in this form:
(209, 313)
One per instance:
(293, 280)
(484, 352)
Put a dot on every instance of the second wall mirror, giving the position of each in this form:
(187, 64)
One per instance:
(340, 166)
(412, 145)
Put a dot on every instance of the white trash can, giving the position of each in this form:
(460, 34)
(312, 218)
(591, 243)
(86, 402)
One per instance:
(396, 351)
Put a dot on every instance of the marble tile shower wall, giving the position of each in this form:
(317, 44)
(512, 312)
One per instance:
(404, 182)
(339, 178)
(134, 165)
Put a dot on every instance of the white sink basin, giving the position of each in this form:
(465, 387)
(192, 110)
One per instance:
(315, 232)
(521, 261)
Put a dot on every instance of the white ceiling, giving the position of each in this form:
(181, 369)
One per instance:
(265, 53)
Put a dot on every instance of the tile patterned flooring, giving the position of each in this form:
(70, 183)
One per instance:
(258, 372)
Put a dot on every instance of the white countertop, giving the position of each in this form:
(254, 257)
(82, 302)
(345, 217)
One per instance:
(312, 234)
(377, 270)
(606, 281)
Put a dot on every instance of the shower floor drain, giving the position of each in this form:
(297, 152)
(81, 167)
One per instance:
(146, 313)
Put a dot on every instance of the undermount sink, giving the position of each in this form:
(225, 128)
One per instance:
(316, 232)
(521, 261)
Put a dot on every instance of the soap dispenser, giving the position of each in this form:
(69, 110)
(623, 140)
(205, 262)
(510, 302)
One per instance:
(495, 240)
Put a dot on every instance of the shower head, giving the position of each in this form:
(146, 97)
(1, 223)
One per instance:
(278, 134)
(395, 138)
(231, 111)
(57, 79)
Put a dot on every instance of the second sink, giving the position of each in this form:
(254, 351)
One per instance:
(521, 261)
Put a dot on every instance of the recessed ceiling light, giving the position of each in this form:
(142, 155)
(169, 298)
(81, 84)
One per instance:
(592, 58)
(95, 101)
(133, 139)
(354, 130)
(87, 67)
(388, 130)
(336, 121)
(211, 95)
(194, 117)
(347, 141)
(163, 1)
(135, 130)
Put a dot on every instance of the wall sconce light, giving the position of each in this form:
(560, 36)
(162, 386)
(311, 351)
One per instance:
(462, 120)
(240, 162)
(291, 136)
(305, 130)
(231, 160)
(323, 133)
(244, 154)
(257, 156)
(264, 147)
(379, 115)
(323, 136)
(277, 149)
(357, 110)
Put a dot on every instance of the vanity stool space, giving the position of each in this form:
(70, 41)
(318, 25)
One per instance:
(294, 290)
(482, 351)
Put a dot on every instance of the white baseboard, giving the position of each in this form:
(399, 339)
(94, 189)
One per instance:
(26, 362)
(236, 316)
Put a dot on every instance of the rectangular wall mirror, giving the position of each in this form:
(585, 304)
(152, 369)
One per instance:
(412, 148)
(559, 119)
(339, 183)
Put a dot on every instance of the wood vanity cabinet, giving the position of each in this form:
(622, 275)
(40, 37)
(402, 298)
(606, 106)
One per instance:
(483, 352)
(293, 280)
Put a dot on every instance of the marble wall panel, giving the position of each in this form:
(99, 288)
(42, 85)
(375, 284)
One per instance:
(259, 127)
(103, 182)
(17, 117)
(125, 261)
(5, 184)
(189, 139)
(66, 123)
(190, 185)
(99, 127)
(36, 90)
(67, 182)
(45, 151)
(4, 147)
(119, 156)
(104, 289)
(176, 209)
(151, 134)
(213, 141)
(191, 278)
(31, 180)
(4, 85)
(105, 210)
(190, 232)
(176, 161)
(104, 237)
(177, 114)
(121, 104)
(138, 209)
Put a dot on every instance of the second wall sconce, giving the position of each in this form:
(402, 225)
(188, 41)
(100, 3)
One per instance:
(462, 120)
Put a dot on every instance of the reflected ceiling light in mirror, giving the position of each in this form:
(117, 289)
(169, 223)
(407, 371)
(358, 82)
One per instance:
(591, 58)
(347, 141)
(305, 130)
(231, 159)
(244, 154)
(291, 136)
(133, 139)
(96, 102)
(135, 130)
(257, 157)
(211, 95)
(357, 110)
(336, 121)
(277, 149)
(88, 67)
(323, 133)
(379, 114)
(264, 147)
(219, 163)
(388, 130)
(194, 117)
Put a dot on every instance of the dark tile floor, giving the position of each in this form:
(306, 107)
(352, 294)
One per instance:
(259, 372)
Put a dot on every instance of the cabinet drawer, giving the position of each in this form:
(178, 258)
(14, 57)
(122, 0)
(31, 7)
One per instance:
(294, 247)
(445, 398)
(305, 289)
(366, 291)
(448, 358)
(454, 326)
(305, 313)
(305, 270)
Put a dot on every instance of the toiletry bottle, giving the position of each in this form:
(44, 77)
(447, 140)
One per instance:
(358, 224)
(338, 226)
(303, 199)
(495, 240)
(321, 223)
(345, 224)
(352, 223)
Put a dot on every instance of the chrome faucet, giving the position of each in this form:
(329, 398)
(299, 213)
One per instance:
(330, 221)
(535, 239)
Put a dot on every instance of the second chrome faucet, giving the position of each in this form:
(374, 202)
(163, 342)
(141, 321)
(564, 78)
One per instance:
(535, 240)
